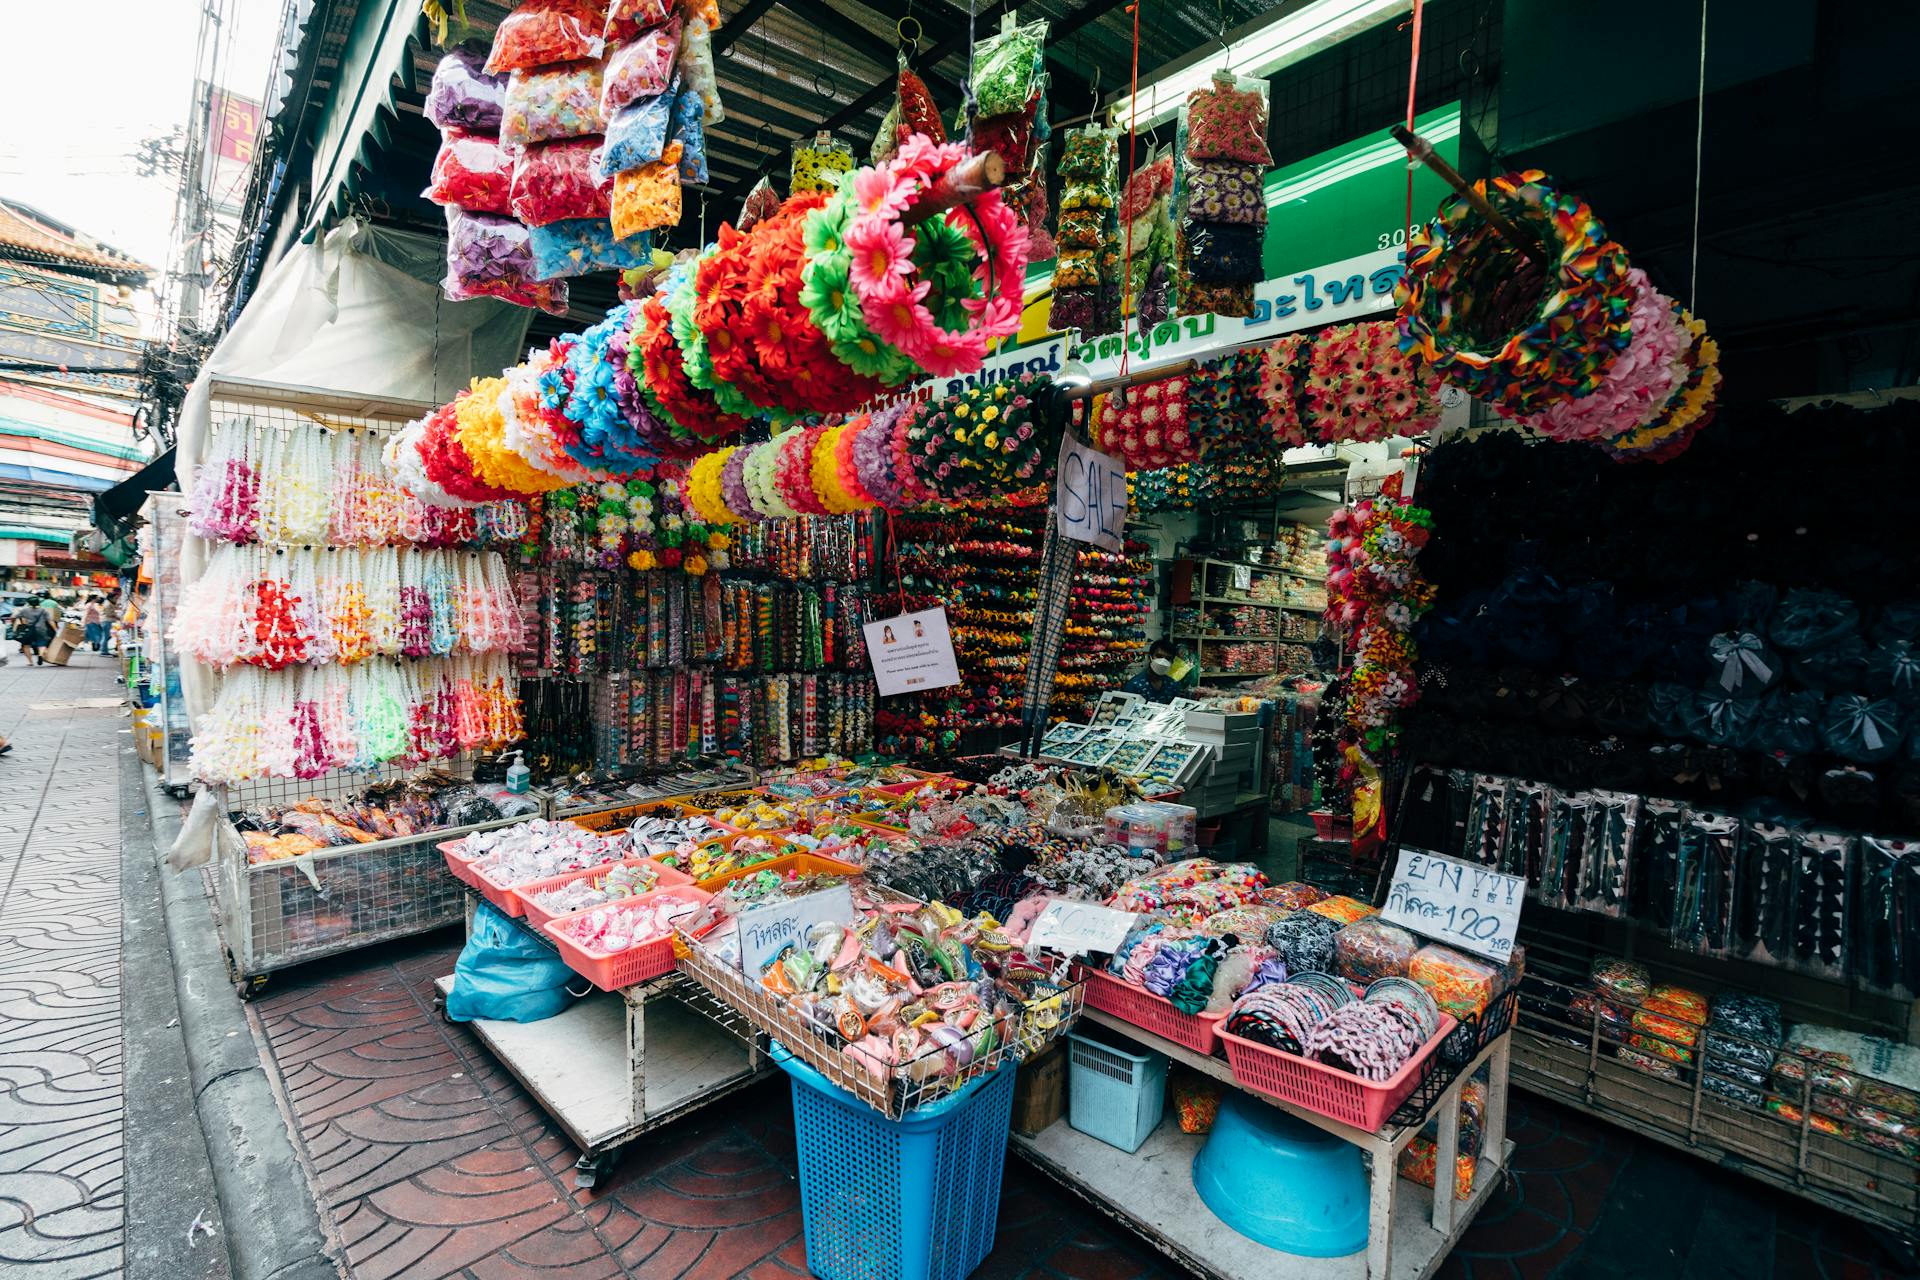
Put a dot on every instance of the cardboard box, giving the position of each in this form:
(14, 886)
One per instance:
(1040, 1091)
(65, 641)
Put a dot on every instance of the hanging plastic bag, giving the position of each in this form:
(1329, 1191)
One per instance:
(504, 975)
(541, 32)
(818, 163)
(553, 103)
(628, 18)
(1227, 121)
(761, 202)
(463, 94)
(636, 136)
(689, 127)
(696, 66)
(1226, 191)
(492, 257)
(648, 198)
(1005, 68)
(556, 180)
(578, 246)
(1223, 252)
(473, 171)
(641, 69)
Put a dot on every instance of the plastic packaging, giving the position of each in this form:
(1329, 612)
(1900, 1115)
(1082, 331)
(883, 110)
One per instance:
(642, 68)
(504, 975)
(1005, 68)
(1227, 120)
(464, 95)
(628, 18)
(1225, 191)
(473, 171)
(579, 246)
(696, 67)
(555, 180)
(817, 164)
(689, 127)
(1862, 729)
(636, 136)
(761, 202)
(1622, 981)
(1486, 820)
(492, 257)
(540, 32)
(1821, 901)
(1459, 983)
(1370, 949)
(1763, 912)
(1884, 952)
(1704, 889)
(548, 103)
(1222, 252)
(648, 198)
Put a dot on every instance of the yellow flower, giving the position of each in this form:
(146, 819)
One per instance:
(993, 440)
(959, 435)
(695, 565)
(719, 541)
(642, 560)
(961, 411)
(991, 412)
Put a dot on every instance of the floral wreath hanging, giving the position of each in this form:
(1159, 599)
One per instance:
(482, 431)
(915, 289)
(1374, 596)
(1505, 331)
(705, 494)
(1688, 409)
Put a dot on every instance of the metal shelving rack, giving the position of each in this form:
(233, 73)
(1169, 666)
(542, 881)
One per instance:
(1411, 1230)
(1202, 597)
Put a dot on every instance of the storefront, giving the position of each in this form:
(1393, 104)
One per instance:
(873, 648)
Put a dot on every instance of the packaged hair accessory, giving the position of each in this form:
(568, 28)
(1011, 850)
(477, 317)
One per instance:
(1821, 901)
(1605, 867)
(1487, 819)
(1885, 949)
(1702, 915)
(1565, 849)
(1657, 861)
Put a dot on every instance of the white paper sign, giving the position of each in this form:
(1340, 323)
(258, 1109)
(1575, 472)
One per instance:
(1090, 495)
(765, 931)
(1471, 907)
(1075, 928)
(912, 652)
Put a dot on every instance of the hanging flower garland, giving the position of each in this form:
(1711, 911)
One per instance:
(983, 442)
(1485, 318)
(1688, 409)
(706, 496)
(1374, 595)
(481, 432)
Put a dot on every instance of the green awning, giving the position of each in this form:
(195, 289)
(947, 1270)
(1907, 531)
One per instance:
(377, 50)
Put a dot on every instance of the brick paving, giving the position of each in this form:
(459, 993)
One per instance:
(62, 1194)
(433, 1164)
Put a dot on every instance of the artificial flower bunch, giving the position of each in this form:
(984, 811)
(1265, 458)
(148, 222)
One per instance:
(1350, 382)
(982, 442)
(1374, 595)
(1146, 427)
(1689, 406)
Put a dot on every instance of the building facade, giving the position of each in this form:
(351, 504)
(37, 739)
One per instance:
(71, 344)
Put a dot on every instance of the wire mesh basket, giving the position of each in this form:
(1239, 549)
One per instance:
(896, 1089)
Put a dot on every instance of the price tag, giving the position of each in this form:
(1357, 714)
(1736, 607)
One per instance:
(1471, 907)
(912, 652)
(1090, 495)
(765, 931)
(1075, 928)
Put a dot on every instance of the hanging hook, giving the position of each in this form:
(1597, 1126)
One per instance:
(911, 42)
(1093, 111)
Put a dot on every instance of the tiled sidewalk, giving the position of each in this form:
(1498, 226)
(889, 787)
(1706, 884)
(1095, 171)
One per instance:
(62, 1195)
(433, 1163)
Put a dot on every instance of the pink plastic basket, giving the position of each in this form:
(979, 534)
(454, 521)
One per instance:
(538, 915)
(457, 861)
(1149, 1012)
(1331, 1092)
(506, 897)
(625, 968)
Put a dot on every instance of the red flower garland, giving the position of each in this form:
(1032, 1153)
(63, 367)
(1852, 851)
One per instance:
(445, 460)
(692, 410)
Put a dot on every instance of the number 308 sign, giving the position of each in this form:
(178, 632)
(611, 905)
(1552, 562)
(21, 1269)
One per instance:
(1474, 908)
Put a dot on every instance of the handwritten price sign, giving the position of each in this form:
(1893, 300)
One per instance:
(1090, 496)
(1458, 903)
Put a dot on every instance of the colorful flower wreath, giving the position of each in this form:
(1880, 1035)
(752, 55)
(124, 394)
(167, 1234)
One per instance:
(705, 495)
(481, 432)
(1689, 408)
(446, 464)
(983, 441)
(1374, 596)
(1146, 426)
(1483, 317)
(917, 290)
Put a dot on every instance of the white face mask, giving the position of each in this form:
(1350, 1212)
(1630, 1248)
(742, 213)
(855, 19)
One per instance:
(1160, 666)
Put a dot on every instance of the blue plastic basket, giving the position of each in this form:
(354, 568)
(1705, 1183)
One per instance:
(910, 1199)
(1114, 1094)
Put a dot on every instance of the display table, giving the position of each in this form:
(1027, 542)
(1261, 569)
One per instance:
(617, 1064)
(1411, 1230)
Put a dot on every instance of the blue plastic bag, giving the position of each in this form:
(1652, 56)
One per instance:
(506, 976)
(689, 125)
(637, 134)
(580, 246)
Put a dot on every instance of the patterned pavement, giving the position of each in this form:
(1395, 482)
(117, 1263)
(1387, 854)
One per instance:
(433, 1164)
(62, 1194)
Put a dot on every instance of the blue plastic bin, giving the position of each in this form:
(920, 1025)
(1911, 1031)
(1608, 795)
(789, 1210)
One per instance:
(1113, 1094)
(910, 1199)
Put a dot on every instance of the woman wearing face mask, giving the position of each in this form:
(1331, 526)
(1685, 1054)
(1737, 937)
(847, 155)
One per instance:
(1156, 684)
